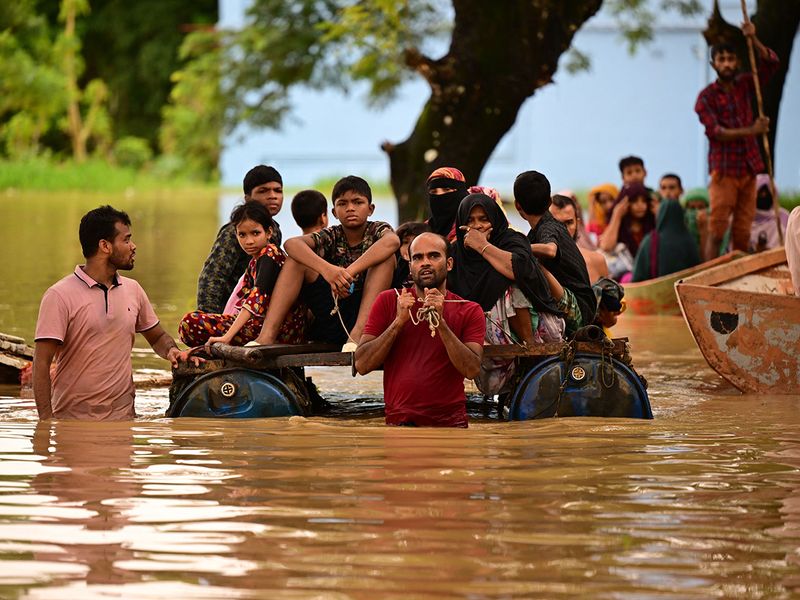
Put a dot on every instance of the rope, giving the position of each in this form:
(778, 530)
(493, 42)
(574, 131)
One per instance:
(338, 313)
(427, 313)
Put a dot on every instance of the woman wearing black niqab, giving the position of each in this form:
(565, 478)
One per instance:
(447, 186)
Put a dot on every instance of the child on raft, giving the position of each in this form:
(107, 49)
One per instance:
(254, 230)
(337, 271)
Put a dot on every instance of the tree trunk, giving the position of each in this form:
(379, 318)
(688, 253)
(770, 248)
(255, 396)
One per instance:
(475, 97)
(74, 120)
(776, 26)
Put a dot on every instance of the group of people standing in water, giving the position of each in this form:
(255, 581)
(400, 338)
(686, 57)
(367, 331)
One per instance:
(421, 302)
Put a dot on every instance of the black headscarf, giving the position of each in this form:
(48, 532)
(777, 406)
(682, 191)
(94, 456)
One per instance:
(444, 206)
(475, 279)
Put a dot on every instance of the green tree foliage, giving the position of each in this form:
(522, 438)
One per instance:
(192, 124)
(133, 46)
(32, 85)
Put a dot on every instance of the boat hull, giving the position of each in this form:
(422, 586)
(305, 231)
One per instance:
(657, 296)
(749, 336)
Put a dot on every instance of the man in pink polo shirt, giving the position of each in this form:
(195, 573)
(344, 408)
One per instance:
(88, 322)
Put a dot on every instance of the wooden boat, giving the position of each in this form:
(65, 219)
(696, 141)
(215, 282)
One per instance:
(15, 355)
(657, 296)
(586, 378)
(746, 321)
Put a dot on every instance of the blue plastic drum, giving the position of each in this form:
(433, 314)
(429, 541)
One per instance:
(237, 394)
(593, 386)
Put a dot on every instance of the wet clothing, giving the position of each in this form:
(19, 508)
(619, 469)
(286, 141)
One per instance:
(669, 248)
(568, 267)
(258, 283)
(224, 266)
(421, 385)
(96, 327)
(474, 278)
(718, 108)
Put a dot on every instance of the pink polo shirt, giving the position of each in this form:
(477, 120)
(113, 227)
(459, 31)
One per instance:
(96, 327)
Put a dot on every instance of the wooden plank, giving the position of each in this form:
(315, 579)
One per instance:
(258, 355)
(7, 337)
(16, 349)
(552, 349)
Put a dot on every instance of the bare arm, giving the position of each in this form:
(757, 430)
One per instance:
(548, 250)
(43, 355)
(499, 259)
(610, 236)
(163, 345)
(372, 351)
(376, 254)
(466, 357)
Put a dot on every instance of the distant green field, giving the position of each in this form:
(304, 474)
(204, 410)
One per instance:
(41, 174)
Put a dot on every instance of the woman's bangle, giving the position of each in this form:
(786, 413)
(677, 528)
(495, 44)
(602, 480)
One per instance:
(484, 248)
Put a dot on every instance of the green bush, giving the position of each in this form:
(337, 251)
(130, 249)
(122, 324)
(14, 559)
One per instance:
(134, 152)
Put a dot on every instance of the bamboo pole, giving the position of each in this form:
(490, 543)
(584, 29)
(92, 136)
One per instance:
(764, 137)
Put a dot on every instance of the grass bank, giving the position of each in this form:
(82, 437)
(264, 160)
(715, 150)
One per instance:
(43, 174)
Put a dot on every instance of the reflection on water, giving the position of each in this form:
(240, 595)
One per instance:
(700, 502)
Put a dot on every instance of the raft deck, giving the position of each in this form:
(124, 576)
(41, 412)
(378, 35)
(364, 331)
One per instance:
(280, 356)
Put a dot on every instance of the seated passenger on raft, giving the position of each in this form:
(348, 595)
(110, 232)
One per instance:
(561, 260)
(253, 224)
(493, 266)
(425, 358)
(342, 267)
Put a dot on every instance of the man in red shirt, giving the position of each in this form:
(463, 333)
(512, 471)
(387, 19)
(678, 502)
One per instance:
(725, 110)
(423, 375)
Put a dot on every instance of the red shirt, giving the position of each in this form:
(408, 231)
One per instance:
(420, 384)
(719, 108)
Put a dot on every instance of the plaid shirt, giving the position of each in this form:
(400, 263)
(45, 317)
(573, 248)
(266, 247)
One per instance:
(720, 108)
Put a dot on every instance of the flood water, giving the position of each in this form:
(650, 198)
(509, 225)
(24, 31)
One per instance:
(701, 502)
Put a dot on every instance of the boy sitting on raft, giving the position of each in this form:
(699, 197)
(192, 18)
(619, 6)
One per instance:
(343, 266)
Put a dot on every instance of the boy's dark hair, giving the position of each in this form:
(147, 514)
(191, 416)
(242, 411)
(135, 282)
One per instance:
(672, 176)
(259, 175)
(412, 228)
(100, 224)
(630, 161)
(308, 207)
(351, 183)
(532, 192)
(722, 47)
(254, 211)
(561, 201)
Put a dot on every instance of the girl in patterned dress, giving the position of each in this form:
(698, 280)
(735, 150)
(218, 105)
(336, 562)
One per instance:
(254, 227)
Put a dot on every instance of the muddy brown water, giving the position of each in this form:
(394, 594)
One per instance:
(700, 502)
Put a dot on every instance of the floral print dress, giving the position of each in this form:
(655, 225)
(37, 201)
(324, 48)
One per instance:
(197, 327)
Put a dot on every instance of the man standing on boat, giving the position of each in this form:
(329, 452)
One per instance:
(427, 339)
(89, 320)
(725, 110)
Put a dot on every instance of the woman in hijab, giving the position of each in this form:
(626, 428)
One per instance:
(493, 266)
(446, 188)
(629, 220)
(667, 249)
